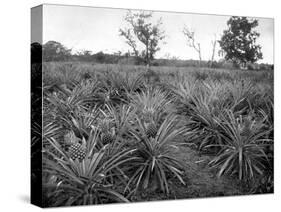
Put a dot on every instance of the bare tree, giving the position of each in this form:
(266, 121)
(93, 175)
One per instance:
(214, 44)
(191, 42)
(142, 31)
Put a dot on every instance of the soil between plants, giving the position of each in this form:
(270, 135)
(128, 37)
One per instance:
(200, 180)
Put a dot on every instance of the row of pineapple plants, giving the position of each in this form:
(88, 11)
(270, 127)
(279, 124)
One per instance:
(109, 136)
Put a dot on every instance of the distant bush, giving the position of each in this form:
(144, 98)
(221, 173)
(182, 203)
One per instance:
(251, 67)
(263, 66)
(215, 64)
(127, 61)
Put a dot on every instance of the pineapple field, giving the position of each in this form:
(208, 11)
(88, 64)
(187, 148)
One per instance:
(124, 133)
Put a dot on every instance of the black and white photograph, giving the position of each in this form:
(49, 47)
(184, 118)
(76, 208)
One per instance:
(134, 105)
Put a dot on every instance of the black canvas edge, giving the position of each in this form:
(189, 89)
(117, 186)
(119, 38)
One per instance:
(36, 106)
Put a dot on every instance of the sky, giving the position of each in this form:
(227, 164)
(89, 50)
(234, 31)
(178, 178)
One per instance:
(97, 29)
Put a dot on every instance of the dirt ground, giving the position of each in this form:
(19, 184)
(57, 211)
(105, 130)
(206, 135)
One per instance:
(201, 181)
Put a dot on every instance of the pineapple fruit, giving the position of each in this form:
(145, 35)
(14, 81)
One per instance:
(151, 130)
(77, 148)
(77, 151)
(106, 129)
(246, 131)
(107, 138)
(246, 125)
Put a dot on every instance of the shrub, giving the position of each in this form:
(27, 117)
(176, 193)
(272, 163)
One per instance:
(154, 160)
(243, 153)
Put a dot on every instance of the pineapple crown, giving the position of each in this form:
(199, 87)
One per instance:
(149, 121)
(106, 125)
(70, 138)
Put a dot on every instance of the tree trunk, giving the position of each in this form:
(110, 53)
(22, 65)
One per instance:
(147, 56)
(213, 52)
(199, 53)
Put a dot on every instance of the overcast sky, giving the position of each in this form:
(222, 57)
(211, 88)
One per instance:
(97, 29)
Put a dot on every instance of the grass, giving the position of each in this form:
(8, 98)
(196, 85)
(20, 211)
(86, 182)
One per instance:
(210, 133)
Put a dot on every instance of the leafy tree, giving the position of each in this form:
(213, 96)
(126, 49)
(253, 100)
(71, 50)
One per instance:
(142, 32)
(55, 51)
(238, 42)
